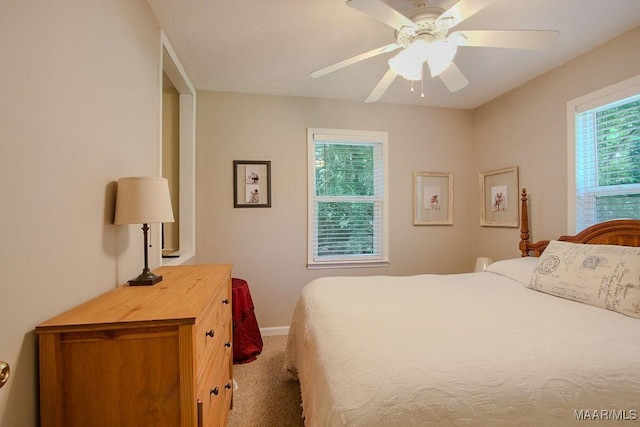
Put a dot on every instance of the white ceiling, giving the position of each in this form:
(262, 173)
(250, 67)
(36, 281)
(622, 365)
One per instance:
(271, 46)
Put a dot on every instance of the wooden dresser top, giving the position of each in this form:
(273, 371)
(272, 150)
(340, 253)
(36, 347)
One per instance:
(192, 286)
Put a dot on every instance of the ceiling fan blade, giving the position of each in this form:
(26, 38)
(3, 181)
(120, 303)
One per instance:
(453, 78)
(382, 86)
(375, 52)
(461, 11)
(517, 39)
(382, 12)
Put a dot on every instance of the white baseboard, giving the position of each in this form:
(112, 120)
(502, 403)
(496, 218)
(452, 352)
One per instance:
(279, 330)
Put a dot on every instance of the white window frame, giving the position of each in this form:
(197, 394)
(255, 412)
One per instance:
(607, 95)
(353, 136)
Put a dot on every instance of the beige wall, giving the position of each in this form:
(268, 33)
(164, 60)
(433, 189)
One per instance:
(268, 246)
(80, 108)
(527, 127)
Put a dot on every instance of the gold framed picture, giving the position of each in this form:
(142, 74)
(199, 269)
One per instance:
(432, 198)
(499, 198)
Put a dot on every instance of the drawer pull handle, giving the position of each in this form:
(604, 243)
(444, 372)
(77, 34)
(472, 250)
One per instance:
(214, 391)
(210, 333)
(225, 301)
(227, 344)
(228, 386)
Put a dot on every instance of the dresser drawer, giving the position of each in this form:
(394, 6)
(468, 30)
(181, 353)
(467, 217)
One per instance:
(215, 388)
(213, 359)
(212, 329)
(220, 407)
(214, 410)
(216, 308)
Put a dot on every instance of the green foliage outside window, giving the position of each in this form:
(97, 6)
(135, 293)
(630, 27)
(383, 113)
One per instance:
(345, 229)
(345, 179)
(618, 160)
(344, 170)
(617, 206)
(618, 144)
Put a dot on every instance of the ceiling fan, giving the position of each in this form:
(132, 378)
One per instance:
(423, 35)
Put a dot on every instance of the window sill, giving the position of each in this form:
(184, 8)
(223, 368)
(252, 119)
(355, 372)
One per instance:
(182, 258)
(347, 264)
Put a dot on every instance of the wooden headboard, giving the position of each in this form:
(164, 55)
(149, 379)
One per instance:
(625, 232)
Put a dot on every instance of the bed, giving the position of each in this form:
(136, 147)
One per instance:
(508, 346)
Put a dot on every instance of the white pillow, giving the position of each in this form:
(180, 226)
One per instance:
(518, 269)
(600, 275)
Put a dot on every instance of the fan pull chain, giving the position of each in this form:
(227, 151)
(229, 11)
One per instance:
(411, 86)
(422, 82)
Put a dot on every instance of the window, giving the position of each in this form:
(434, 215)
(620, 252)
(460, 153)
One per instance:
(606, 156)
(347, 198)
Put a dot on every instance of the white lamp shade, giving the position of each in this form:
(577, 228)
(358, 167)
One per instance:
(143, 200)
(482, 263)
(438, 54)
(408, 63)
(441, 56)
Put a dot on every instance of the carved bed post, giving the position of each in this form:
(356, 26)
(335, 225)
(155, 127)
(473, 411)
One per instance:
(524, 224)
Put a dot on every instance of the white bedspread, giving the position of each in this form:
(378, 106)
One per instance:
(457, 350)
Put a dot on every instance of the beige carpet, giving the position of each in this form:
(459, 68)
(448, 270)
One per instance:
(267, 396)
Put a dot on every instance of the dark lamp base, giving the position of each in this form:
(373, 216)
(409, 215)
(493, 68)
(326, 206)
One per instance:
(145, 279)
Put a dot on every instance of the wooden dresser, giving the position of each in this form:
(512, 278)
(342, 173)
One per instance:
(156, 355)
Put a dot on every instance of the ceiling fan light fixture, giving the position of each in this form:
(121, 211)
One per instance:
(437, 54)
(423, 36)
(458, 38)
(408, 63)
(441, 56)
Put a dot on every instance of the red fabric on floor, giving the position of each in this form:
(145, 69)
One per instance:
(247, 341)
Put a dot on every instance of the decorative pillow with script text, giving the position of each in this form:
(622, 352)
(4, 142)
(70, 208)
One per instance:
(604, 276)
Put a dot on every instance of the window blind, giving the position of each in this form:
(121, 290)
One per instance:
(608, 162)
(348, 200)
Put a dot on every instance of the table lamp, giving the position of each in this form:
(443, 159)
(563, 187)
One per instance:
(143, 200)
(482, 263)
